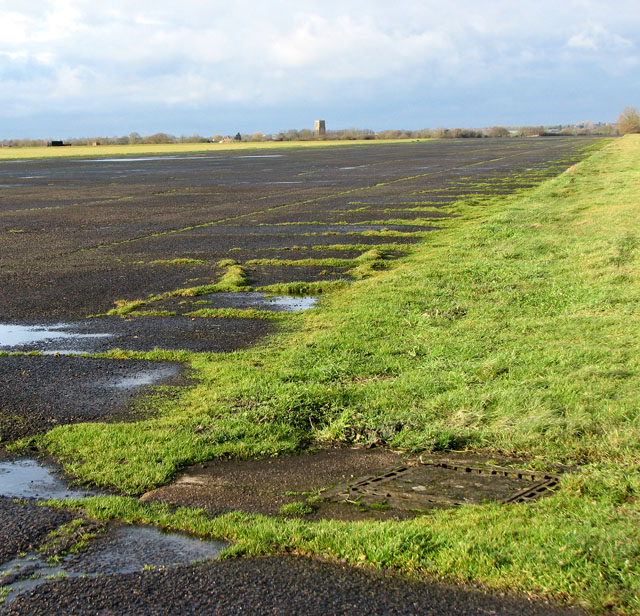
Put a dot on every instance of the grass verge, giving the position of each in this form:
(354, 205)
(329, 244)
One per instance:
(513, 330)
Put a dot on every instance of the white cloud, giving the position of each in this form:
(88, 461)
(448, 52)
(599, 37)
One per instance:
(595, 37)
(82, 55)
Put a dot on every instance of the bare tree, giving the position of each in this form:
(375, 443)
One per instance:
(498, 131)
(629, 121)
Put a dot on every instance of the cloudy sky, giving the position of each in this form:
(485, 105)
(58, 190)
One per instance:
(73, 68)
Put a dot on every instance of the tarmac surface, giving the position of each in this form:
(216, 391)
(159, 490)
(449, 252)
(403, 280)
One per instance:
(79, 235)
(277, 585)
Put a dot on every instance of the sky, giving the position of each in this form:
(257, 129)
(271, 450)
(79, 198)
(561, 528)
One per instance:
(81, 68)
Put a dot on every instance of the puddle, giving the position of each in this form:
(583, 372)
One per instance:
(275, 303)
(289, 303)
(19, 335)
(125, 550)
(148, 158)
(30, 479)
(139, 334)
(134, 548)
(146, 377)
(25, 573)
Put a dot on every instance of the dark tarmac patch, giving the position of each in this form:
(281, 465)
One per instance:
(276, 585)
(24, 526)
(83, 285)
(40, 393)
(264, 486)
(264, 275)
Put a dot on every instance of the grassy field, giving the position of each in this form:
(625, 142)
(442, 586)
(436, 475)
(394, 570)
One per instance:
(513, 330)
(172, 148)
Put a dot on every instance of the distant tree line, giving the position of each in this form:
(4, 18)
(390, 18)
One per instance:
(628, 122)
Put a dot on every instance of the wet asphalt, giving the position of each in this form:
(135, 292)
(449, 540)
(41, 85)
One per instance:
(276, 585)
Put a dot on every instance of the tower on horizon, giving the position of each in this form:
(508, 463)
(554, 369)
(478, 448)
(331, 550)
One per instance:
(320, 128)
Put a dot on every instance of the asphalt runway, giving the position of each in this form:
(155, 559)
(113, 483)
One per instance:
(77, 235)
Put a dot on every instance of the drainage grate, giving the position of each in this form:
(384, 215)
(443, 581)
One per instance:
(429, 484)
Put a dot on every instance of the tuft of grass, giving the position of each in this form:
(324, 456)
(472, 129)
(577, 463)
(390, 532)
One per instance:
(304, 262)
(180, 261)
(234, 313)
(123, 308)
(299, 508)
(227, 263)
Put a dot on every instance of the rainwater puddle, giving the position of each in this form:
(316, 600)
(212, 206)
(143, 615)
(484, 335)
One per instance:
(261, 301)
(148, 158)
(261, 156)
(19, 335)
(134, 548)
(146, 377)
(30, 479)
(127, 549)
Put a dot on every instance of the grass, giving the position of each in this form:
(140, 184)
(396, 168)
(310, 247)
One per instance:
(514, 330)
(175, 148)
(234, 313)
(361, 267)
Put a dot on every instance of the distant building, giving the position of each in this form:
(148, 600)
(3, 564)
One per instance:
(56, 143)
(320, 128)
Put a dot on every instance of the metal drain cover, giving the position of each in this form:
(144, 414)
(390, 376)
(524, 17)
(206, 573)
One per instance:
(428, 485)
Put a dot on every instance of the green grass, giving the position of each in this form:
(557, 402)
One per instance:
(179, 261)
(362, 266)
(514, 330)
(235, 313)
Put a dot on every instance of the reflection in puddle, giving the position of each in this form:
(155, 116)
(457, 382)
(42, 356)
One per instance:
(289, 303)
(30, 479)
(25, 573)
(261, 156)
(146, 377)
(126, 550)
(276, 303)
(148, 158)
(17, 335)
(132, 548)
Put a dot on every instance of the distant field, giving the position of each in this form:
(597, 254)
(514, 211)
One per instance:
(174, 148)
